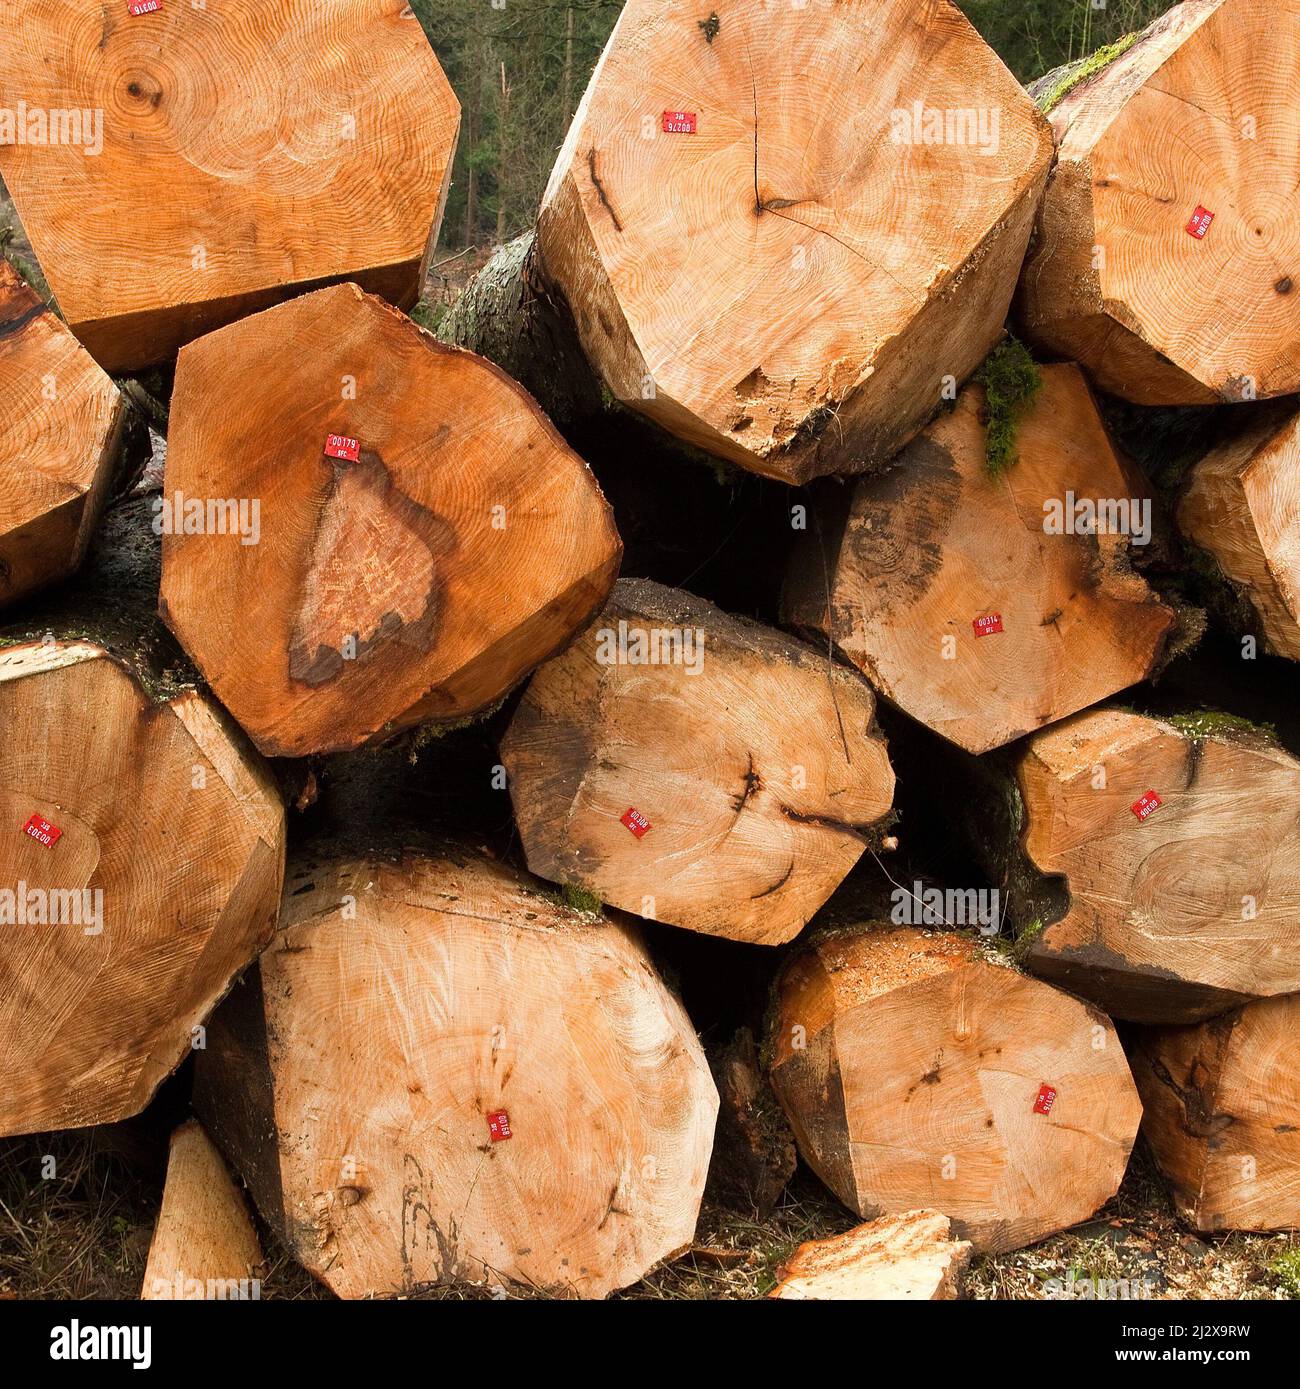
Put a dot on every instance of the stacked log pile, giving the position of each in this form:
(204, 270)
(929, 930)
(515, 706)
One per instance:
(843, 821)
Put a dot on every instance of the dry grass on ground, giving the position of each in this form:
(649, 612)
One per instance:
(84, 1232)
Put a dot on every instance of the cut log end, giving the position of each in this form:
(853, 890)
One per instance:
(1177, 849)
(703, 193)
(408, 544)
(986, 606)
(204, 1245)
(141, 857)
(1222, 1115)
(915, 1071)
(910, 1257)
(61, 427)
(1241, 505)
(1167, 240)
(696, 768)
(522, 1102)
(243, 159)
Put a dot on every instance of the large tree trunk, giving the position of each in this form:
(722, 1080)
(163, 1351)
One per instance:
(60, 437)
(1242, 507)
(739, 274)
(415, 568)
(507, 315)
(204, 1245)
(140, 872)
(1221, 1114)
(520, 1100)
(979, 602)
(697, 768)
(1165, 247)
(1173, 854)
(249, 152)
(915, 1073)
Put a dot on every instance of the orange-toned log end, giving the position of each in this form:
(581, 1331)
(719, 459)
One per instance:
(911, 1257)
(60, 431)
(774, 259)
(986, 606)
(521, 1102)
(697, 768)
(209, 160)
(395, 519)
(204, 1245)
(1177, 845)
(1166, 256)
(1241, 505)
(917, 1073)
(1221, 1115)
(141, 858)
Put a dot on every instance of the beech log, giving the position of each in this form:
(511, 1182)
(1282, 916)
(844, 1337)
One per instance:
(61, 429)
(407, 542)
(141, 857)
(987, 605)
(915, 1072)
(1221, 1105)
(212, 159)
(1174, 849)
(440, 1074)
(1166, 244)
(204, 1246)
(696, 768)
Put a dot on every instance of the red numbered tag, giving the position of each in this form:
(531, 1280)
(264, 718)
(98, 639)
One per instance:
(1046, 1099)
(679, 122)
(1145, 804)
(42, 831)
(340, 446)
(635, 821)
(1200, 222)
(985, 625)
(499, 1125)
(144, 6)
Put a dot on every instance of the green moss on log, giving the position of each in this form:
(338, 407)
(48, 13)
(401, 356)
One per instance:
(1011, 381)
(1067, 78)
